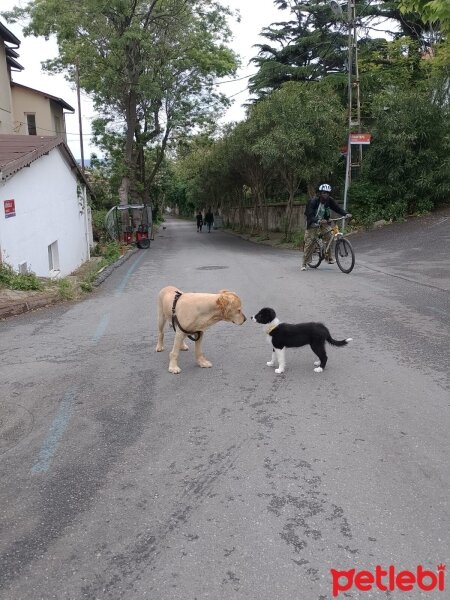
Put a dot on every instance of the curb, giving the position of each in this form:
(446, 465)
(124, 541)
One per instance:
(106, 272)
(9, 309)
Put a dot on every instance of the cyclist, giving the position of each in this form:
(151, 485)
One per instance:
(317, 213)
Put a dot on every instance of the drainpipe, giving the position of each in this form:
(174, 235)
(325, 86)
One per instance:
(86, 222)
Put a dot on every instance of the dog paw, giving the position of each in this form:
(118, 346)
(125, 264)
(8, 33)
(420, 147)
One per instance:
(159, 348)
(317, 363)
(205, 364)
(270, 364)
(279, 371)
(174, 370)
(184, 348)
(318, 369)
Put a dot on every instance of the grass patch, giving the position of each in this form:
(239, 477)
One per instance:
(65, 289)
(18, 281)
(86, 286)
(106, 254)
(297, 238)
(110, 251)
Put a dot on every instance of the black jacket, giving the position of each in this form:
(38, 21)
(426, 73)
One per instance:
(312, 206)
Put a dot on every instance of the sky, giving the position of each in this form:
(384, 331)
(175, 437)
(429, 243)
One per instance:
(255, 15)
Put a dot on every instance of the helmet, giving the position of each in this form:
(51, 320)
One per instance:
(325, 187)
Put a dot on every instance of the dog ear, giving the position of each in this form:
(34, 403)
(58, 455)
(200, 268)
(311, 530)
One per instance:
(223, 303)
(226, 302)
(223, 291)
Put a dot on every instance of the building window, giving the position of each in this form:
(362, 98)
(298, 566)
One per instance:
(31, 123)
(53, 257)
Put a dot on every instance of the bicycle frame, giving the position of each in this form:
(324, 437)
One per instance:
(336, 234)
(343, 249)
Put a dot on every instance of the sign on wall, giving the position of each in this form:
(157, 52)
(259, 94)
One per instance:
(10, 208)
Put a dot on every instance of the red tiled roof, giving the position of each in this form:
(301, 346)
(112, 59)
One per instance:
(19, 151)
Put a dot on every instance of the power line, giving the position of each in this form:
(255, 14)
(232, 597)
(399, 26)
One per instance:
(67, 133)
(237, 93)
(238, 79)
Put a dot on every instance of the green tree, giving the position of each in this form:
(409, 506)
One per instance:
(298, 130)
(389, 65)
(311, 42)
(431, 11)
(306, 47)
(149, 66)
(407, 168)
(252, 172)
(224, 172)
(196, 168)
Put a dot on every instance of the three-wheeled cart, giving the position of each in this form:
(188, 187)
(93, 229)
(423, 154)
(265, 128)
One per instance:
(130, 223)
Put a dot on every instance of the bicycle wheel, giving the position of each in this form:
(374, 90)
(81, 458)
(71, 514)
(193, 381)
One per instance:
(316, 256)
(345, 257)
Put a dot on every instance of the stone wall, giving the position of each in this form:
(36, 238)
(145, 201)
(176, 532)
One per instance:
(276, 216)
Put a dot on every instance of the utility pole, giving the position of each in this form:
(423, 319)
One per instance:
(80, 125)
(354, 157)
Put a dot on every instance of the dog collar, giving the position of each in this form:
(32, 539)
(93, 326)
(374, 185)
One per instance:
(270, 328)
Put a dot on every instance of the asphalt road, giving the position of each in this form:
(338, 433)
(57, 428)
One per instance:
(120, 480)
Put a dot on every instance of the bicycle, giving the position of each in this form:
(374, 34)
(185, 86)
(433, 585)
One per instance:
(343, 251)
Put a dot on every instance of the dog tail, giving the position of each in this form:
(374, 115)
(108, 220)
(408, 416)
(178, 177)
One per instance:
(337, 342)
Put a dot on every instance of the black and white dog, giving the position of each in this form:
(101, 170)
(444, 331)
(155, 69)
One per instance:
(284, 335)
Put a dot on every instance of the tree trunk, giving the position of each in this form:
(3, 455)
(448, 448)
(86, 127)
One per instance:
(159, 156)
(241, 211)
(288, 214)
(131, 119)
(265, 214)
(124, 190)
(311, 190)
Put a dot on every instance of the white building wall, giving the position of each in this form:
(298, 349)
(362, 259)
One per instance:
(48, 209)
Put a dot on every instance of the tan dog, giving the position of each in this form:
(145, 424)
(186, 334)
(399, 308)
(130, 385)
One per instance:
(194, 312)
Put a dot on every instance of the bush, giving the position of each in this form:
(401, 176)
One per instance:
(364, 201)
(18, 281)
(66, 291)
(98, 224)
(370, 202)
(298, 238)
(111, 252)
(406, 162)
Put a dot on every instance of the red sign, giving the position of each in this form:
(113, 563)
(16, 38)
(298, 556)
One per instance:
(10, 208)
(360, 138)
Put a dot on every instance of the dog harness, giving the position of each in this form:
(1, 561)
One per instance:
(192, 335)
